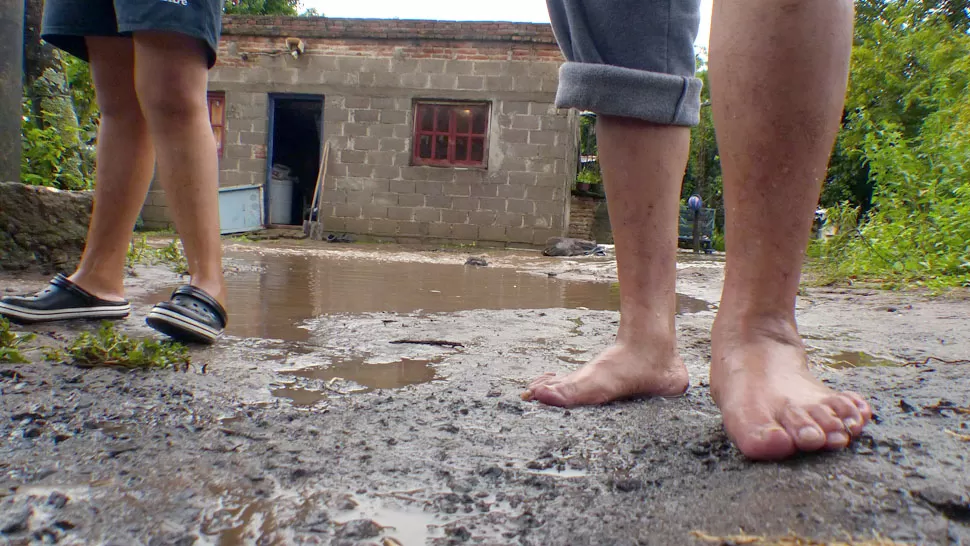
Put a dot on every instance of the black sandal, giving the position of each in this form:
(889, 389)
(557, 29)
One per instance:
(191, 315)
(61, 300)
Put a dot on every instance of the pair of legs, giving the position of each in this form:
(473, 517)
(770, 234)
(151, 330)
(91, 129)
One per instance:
(151, 90)
(778, 73)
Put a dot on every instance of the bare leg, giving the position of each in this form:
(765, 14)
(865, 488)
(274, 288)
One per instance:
(170, 78)
(643, 165)
(125, 162)
(778, 77)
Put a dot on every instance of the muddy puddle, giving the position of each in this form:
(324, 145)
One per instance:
(857, 359)
(355, 375)
(273, 295)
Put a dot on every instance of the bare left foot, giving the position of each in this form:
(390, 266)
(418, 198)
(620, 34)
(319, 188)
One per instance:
(621, 371)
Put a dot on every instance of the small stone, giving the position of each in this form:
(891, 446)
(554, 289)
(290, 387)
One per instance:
(359, 528)
(460, 533)
(15, 521)
(492, 472)
(57, 500)
(476, 261)
(629, 485)
(32, 432)
(347, 503)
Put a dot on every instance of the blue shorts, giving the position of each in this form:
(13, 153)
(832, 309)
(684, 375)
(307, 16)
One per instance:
(68, 22)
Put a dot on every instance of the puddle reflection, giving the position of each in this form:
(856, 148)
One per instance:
(282, 291)
(858, 359)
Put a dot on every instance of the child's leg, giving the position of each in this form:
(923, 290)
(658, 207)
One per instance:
(171, 75)
(124, 168)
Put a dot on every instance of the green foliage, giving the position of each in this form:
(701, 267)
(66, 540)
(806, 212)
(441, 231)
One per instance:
(59, 126)
(140, 252)
(109, 348)
(717, 240)
(261, 7)
(590, 176)
(11, 343)
(703, 175)
(908, 120)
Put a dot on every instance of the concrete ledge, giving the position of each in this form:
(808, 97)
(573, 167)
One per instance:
(42, 228)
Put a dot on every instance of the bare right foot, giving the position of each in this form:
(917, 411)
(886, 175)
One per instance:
(622, 371)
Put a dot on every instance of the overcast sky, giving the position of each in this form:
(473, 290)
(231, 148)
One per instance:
(489, 10)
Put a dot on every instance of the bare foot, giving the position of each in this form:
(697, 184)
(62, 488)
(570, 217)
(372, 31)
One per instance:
(621, 371)
(772, 405)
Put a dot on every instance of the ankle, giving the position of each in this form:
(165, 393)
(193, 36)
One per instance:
(99, 285)
(214, 287)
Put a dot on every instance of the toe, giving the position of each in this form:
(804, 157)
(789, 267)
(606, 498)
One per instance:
(560, 395)
(803, 429)
(848, 412)
(757, 434)
(542, 379)
(836, 436)
(864, 408)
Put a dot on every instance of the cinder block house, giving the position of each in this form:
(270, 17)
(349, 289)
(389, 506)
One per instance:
(437, 130)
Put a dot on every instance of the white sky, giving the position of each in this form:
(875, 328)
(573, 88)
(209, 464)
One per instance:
(492, 10)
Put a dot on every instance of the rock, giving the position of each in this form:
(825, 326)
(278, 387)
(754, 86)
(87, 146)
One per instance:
(492, 472)
(565, 246)
(15, 521)
(42, 228)
(476, 261)
(57, 500)
(950, 502)
(460, 533)
(629, 485)
(359, 528)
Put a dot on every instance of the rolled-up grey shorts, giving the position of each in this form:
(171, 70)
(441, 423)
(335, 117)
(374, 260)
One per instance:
(629, 58)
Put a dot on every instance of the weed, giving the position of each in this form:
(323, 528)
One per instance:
(140, 252)
(11, 343)
(107, 347)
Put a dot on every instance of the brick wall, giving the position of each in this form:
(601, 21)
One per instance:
(370, 73)
(582, 215)
(589, 219)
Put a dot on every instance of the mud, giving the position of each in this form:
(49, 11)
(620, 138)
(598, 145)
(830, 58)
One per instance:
(310, 426)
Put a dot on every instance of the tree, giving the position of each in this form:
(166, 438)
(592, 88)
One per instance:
(907, 122)
(11, 70)
(262, 7)
(703, 175)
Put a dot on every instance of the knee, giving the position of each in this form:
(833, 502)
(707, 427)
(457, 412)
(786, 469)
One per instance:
(170, 103)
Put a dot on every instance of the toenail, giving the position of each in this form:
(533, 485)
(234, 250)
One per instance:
(850, 424)
(810, 434)
(527, 395)
(837, 438)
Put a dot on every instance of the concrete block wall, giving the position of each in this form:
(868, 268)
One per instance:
(371, 77)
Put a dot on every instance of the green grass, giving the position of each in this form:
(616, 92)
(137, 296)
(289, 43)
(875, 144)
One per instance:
(140, 252)
(12, 344)
(107, 347)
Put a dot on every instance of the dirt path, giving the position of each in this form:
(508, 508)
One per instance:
(322, 431)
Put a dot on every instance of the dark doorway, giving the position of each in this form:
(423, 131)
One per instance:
(296, 134)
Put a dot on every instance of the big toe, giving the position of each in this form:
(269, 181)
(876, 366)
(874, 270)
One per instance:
(759, 436)
(556, 394)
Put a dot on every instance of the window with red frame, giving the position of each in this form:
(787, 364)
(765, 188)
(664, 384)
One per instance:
(217, 117)
(450, 134)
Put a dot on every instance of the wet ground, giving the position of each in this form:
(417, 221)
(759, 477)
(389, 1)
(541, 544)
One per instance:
(370, 395)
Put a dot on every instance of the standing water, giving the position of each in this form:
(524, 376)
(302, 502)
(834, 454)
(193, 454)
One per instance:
(282, 291)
